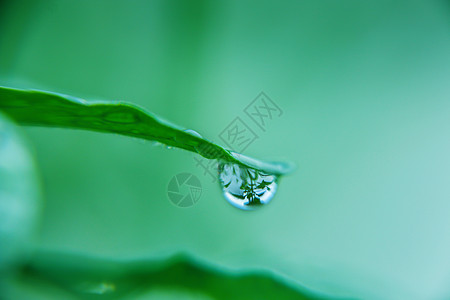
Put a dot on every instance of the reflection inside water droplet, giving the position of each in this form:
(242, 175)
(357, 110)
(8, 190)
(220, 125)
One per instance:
(246, 188)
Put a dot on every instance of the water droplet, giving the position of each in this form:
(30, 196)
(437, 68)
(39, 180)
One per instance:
(193, 132)
(99, 288)
(158, 144)
(246, 188)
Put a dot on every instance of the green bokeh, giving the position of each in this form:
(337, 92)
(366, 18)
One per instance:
(364, 89)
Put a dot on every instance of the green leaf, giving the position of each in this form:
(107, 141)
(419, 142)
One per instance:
(19, 197)
(39, 108)
(91, 277)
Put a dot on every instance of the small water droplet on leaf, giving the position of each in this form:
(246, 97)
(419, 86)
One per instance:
(246, 188)
(193, 132)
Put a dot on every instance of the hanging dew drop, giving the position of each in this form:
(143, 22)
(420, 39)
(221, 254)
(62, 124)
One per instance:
(246, 188)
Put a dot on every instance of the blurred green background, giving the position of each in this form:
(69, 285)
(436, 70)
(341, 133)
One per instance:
(365, 90)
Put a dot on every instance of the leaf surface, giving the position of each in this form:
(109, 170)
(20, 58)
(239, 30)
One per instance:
(39, 108)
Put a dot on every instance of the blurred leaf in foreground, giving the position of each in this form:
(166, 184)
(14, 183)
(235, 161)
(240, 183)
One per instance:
(180, 276)
(19, 199)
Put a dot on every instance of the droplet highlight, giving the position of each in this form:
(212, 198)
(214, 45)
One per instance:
(246, 188)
